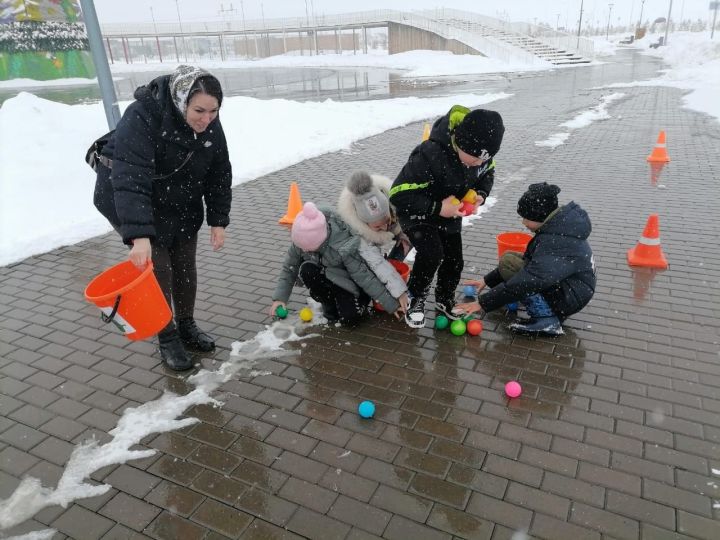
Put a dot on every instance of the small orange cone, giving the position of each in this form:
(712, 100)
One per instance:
(659, 153)
(647, 252)
(294, 205)
(426, 132)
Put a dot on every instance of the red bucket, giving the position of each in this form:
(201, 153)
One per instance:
(512, 241)
(402, 269)
(131, 299)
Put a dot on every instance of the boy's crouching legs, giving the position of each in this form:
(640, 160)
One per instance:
(542, 318)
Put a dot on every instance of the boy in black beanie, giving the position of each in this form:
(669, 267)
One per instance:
(456, 162)
(555, 277)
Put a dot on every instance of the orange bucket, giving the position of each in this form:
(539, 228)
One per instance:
(512, 241)
(402, 269)
(131, 299)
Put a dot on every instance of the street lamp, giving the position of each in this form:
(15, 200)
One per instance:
(607, 31)
(181, 30)
(667, 23)
(579, 24)
(642, 5)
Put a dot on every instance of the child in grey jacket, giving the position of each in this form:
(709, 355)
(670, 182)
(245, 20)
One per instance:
(364, 204)
(332, 263)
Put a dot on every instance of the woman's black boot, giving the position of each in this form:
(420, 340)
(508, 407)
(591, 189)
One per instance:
(194, 338)
(172, 351)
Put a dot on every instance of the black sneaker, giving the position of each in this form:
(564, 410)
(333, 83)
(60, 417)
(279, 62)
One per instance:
(330, 312)
(415, 315)
(546, 326)
(172, 351)
(194, 338)
(449, 310)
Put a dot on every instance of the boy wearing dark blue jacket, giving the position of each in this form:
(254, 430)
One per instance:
(555, 278)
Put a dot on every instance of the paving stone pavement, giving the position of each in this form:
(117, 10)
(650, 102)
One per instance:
(617, 434)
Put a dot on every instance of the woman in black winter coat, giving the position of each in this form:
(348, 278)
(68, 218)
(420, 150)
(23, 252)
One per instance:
(168, 155)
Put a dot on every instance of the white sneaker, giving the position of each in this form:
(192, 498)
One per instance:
(415, 315)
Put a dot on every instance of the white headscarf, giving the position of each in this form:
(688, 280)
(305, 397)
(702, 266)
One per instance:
(181, 81)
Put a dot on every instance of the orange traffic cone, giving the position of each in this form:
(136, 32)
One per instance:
(426, 132)
(648, 252)
(659, 153)
(294, 205)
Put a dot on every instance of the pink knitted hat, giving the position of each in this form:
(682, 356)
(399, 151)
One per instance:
(310, 228)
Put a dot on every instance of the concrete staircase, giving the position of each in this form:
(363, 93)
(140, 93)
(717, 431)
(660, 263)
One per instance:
(532, 45)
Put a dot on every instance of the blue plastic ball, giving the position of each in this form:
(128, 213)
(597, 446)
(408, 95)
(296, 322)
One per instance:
(469, 290)
(512, 306)
(366, 409)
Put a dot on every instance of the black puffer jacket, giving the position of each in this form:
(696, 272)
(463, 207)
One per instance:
(558, 263)
(141, 195)
(432, 173)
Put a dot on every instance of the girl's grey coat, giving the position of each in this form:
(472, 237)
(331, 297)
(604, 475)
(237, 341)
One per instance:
(373, 241)
(342, 258)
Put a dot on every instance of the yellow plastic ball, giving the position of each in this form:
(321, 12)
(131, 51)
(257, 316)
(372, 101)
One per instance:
(470, 196)
(306, 314)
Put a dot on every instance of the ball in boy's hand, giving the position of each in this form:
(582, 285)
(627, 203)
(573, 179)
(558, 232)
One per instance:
(306, 314)
(474, 327)
(467, 208)
(441, 322)
(458, 327)
(281, 312)
(470, 196)
(366, 409)
(469, 290)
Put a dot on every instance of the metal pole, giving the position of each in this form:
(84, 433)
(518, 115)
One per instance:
(242, 10)
(667, 24)
(607, 31)
(579, 24)
(97, 49)
(109, 50)
(182, 35)
(157, 38)
(712, 33)
(642, 6)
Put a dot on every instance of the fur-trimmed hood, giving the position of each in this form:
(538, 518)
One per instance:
(346, 210)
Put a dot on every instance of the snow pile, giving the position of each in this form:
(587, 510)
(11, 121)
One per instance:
(418, 63)
(694, 61)
(584, 119)
(47, 188)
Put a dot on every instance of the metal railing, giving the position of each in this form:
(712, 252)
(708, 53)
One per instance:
(487, 44)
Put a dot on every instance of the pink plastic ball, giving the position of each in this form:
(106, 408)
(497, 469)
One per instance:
(513, 389)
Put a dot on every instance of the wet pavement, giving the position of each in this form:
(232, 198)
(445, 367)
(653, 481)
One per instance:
(617, 434)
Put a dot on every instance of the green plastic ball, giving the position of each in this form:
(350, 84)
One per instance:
(458, 327)
(281, 312)
(441, 322)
